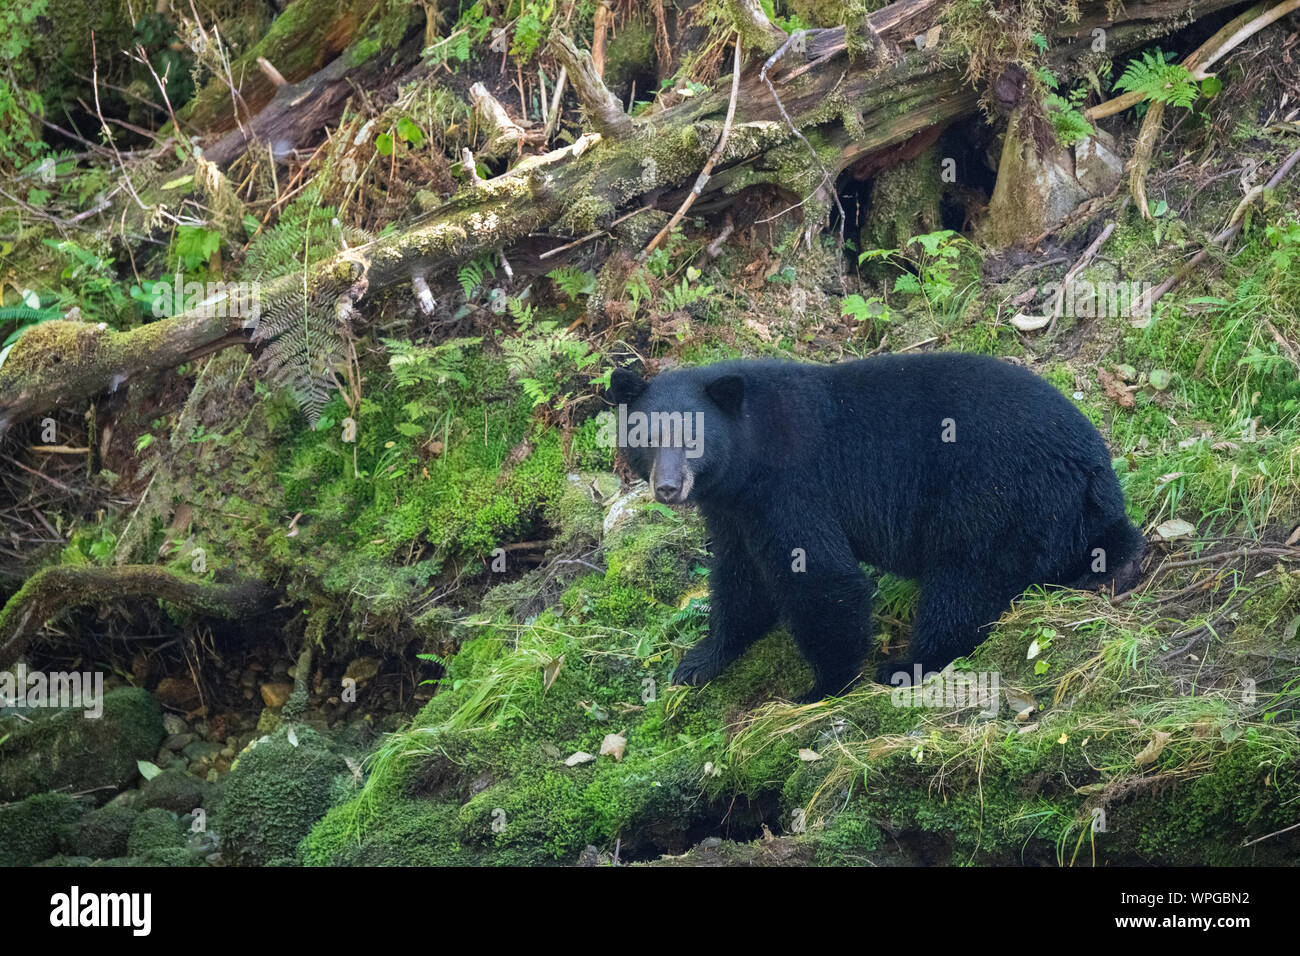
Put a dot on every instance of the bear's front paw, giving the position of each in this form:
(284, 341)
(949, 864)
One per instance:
(887, 669)
(702, 663)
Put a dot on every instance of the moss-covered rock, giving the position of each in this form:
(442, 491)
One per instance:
(64, 748)
(274, 794)
(155, 829)
(29, 830)
(100, 834)
(172, 790)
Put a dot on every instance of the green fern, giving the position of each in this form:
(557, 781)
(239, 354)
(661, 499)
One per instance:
(413, 364)
(304, 334)
(522, 312)
(25, 313)
(306, 232)
(472, 275)
(573, 282)
(1159, 80)
(681, 296)
(1068, 121)
(303, 339)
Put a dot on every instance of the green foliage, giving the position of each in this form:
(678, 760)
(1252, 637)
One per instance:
(685, 293)
(29, 829)
(531, 20)
(473, 275)
(1067, 118)
(428, 364)
(305, 233)
(20, 103)
(169, 59)
(544, 356)
(91, 283)
(305, 333)
(303, 342)
(1159, 80)
(933, 265)
(573, 282)
(193, 246)
(873, 309)
(471, 29)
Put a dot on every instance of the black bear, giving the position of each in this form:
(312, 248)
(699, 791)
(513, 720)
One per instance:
(969, 474)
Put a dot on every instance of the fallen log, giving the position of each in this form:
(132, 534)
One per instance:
(844, 109)
(53, 589)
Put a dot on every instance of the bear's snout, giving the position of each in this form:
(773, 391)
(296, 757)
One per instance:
(670, 476)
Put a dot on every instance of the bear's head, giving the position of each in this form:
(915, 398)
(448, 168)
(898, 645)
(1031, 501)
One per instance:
(681, 430)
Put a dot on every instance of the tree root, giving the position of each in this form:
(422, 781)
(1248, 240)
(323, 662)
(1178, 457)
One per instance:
(52, 589)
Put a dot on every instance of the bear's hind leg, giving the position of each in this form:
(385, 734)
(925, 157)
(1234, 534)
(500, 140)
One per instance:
(953, 617)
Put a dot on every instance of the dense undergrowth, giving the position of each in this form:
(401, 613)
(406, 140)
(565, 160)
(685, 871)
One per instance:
(453, 499)
(1109, 746)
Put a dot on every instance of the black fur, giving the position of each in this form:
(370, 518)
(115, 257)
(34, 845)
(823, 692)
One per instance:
(849, 463)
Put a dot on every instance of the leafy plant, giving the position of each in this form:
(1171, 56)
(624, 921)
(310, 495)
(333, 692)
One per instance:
(471, 28)
(193, 246)
(413, 364)
(94, 286)
(932, 265)
(860, 309)
(471, 276)
(305, 233)
(573, 282)
(1160, 80)
(684, 294)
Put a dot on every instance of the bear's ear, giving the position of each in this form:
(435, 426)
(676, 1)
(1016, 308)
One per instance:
(624, 387)
(727, 392)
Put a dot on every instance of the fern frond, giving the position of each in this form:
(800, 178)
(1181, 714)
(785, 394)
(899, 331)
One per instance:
(303, 340)
(573, 282)
(1159, 80)
(307, 232)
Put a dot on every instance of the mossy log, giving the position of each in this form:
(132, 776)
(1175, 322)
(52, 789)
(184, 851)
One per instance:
(848, 111)
(54, 588)
(303, 39)
(297, 113)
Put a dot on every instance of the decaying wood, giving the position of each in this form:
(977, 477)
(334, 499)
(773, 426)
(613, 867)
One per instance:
(602, 107)
(300, 42)
(856, 111)
(507, 135)
(297, 113)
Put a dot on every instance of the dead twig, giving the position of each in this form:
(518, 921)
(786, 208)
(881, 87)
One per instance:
(703, 178)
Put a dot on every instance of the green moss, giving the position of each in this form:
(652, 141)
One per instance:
(29, 830)
(274, 794)
(172, 790)
(101, 833)
(628, 55)
(67, 749)
(904, 203)
(155, 830)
